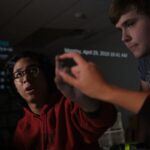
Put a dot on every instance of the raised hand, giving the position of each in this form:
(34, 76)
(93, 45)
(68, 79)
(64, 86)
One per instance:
(65, 88)
(85, 76)
(85, 102)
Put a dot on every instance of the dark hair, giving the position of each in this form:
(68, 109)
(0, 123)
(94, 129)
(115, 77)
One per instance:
(44, 63)
(119, 7)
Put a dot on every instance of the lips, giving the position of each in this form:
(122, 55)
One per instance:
(131, 46)
(29, 89)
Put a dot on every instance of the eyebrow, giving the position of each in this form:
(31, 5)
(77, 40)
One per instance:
(130, 19)
(20, 69)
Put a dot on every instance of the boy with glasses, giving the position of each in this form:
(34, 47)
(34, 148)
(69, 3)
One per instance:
(51, 121)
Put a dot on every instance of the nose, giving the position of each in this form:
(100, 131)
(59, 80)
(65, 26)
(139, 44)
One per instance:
(126, 37)
(25, 78)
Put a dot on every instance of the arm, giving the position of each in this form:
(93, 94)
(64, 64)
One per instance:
(88, 104)
(84, 76)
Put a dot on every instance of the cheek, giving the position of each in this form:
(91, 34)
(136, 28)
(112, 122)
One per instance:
(18, 89)
(41, 81)
(144, 33)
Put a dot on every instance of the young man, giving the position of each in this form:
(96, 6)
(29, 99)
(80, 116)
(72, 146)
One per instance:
(132, 18)
(49, 123)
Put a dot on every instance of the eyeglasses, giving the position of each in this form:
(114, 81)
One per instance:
(31, 71)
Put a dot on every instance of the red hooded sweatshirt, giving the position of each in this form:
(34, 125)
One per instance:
(62, 127)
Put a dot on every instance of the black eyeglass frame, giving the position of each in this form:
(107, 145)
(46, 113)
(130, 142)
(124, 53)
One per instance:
(32, 71)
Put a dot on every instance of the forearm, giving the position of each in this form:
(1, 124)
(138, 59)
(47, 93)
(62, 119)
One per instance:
(130, 100)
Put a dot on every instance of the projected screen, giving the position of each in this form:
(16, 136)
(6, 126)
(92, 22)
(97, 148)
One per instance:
(5, 50)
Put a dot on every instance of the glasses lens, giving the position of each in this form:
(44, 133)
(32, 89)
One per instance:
(33, 71)
(17, 74)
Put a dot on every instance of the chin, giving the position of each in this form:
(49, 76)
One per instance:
(138, 55)
(30, 99)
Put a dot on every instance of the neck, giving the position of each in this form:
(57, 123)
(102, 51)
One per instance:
(35, 108)
(37, 104)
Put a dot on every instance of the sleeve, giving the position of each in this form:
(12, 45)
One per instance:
(144, 68)
(141, 69)
(145, 110)
(92, 126)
